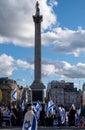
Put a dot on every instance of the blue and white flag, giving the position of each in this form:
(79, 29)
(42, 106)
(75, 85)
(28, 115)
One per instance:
(34, 108)
(73, 106)
(63, 115)
(38, 109)
(30, 122)
(23, 105)
(14, 95)
(38, 106)
(51, 105)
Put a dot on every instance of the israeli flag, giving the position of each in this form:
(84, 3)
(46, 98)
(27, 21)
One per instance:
(73, 106)
(30, 122)
(63, 115)
(14, 94)
(51, 105)
(34, 108)
(38, 109)
(38, 106)
(23, 105)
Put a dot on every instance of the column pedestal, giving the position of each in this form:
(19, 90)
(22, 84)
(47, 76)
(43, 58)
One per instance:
(37, 90)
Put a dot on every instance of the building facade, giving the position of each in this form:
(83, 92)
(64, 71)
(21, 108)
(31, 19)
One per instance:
(25, 95)
(63, 93)
(7, 87)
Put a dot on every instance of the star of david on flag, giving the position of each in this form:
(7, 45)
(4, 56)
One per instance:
(30, 122)
(27, 125)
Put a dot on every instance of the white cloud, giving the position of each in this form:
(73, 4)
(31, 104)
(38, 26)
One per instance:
(61, 68)
(53, 2)
(24, 64)
(7, 65)
(17, 27)
(64, 69)
(48, 69)
(48, 38)
(70, 71)
(49, 17)
(16, 22)
(66, 40)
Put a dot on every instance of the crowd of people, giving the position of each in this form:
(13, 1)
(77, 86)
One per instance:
(11, 116)
(62, 116)
(55, 116)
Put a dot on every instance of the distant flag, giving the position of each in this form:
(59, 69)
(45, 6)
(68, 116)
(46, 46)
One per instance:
(23, 105)
(38, 108)
(73, 106)
(34, 107)
(50, 107)
(63, 115)
(14, 94)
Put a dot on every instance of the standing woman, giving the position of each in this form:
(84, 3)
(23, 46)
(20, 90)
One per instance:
(30, 121)
(71, 116)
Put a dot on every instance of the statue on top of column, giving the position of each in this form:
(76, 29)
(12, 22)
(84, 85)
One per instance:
(37, 8)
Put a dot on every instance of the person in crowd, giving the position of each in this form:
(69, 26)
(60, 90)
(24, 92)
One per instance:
(0, 117)
(49, 119)
(25, 110)
(19, 116)
(7, 116)
(71, 116)
(42, 120)
(14, 115)
(77, 116)
(55, 120)
(30, 121)
(59, 115)
(82, 116)
(66, 120)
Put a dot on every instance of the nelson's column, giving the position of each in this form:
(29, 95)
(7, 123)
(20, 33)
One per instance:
(37, 86)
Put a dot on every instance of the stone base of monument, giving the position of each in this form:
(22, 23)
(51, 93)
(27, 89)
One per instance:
(37, 91)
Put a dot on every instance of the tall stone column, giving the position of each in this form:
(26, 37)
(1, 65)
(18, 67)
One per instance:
(37, 86)
(37, 20)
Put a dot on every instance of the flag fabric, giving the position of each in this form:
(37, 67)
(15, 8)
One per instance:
(78, 117)
(34, 108)
(30, 122)
(51, 105)
(73, 106)
(63, 115)
(23, 105)
(38, 108)
(14, 95)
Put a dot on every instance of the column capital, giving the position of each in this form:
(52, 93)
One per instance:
(37, 17)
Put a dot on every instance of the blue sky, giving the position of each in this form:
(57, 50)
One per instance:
(63, 40)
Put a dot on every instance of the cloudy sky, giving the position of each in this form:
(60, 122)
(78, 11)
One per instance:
(63, 40)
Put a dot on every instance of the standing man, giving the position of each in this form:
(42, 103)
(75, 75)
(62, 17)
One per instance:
(30, 121)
